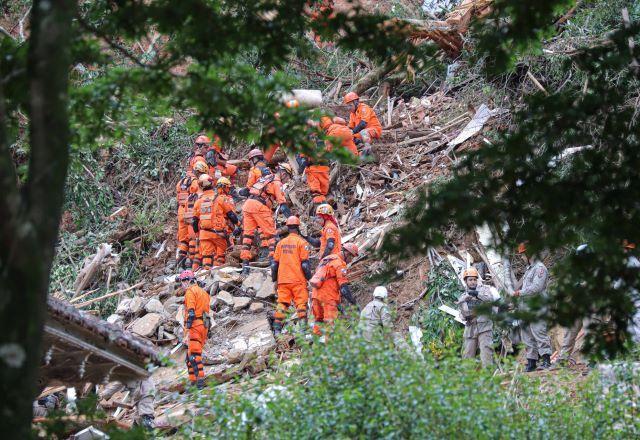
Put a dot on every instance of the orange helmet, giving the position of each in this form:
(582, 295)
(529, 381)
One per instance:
(202, 139)
(339, 120)
(205, 181)
(522, 248)
(293, 221)
(325, 122)
(350, 97)
(325, 209)
(255, 153)
(351, 248)
(470, 272)
(200, 167)
(292, 103)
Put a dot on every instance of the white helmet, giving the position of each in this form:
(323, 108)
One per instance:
(380, 292)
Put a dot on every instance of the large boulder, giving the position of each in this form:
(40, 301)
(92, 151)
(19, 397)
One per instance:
(240, 303)
(256, 307)
(130, 306)
(223, 298)
(154, 306)
(254, 281)
(227, 275)
(147, 325)
(267, 290)
(172, 303)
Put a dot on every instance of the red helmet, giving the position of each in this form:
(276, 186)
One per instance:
(293, 221)
(202, 139)
(186, 275)
(255, 153)
(351, 248)
(350, 97)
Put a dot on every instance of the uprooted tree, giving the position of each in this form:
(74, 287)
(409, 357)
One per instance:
(218, 57)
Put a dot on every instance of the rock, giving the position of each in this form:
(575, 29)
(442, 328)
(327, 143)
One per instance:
(224, 311)
(130, 306)
(240, 302)
(115, 319)
(224, 298)
(235, 355)
(252, 327)
(123, 306)
(254, 281)
(154, 306)
(213, 359)
(256, 307)
(267, 290)
(180, 314)
(147, 325)
(172, 304)
(227, 275)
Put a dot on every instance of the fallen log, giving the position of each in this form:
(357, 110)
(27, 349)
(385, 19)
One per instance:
(108, 295)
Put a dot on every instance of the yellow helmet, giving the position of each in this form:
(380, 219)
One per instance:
(325, 209)
(200, 167)
(470, 272)
(223, 181)
(205, 181)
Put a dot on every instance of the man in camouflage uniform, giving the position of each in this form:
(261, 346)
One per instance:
(534, 335)
(375, 316)
(478, 329)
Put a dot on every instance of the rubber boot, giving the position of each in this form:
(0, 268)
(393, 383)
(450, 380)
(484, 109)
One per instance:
(245, 268)
(546, 362)
(200, 384)
(531, 366)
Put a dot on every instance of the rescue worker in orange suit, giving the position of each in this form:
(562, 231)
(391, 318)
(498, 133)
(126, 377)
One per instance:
(338, 129)
(182, 191)
(201, 145)
(330, 285)
(218, 166)
(257, 212)
(210, 216)
(330, 241)
(316, 171)
(363, 122)
(197, 321)
(290, 269)
(195, 259)
(256, 158)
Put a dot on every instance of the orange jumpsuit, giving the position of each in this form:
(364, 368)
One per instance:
(255, 173)
(345, 134)
(373, 130)
(291, 251)
(220, 170)
(182, 191)
(211, 210)
(194, 248)
(257, 213)
(330, 275)
(196, 298)
(330, 230)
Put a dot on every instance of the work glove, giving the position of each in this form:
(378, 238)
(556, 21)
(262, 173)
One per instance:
(237, 231)
(358, 141)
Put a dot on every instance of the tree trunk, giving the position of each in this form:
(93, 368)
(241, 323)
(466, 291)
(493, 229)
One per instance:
(31, 214)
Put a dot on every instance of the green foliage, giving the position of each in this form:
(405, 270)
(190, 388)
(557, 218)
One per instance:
(441, 333)
(351, 389)
(525, 191)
